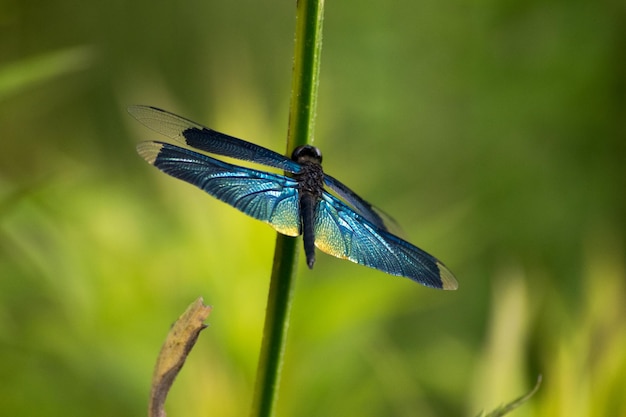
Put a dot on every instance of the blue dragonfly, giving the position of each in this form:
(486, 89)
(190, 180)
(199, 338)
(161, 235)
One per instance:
(346, 226)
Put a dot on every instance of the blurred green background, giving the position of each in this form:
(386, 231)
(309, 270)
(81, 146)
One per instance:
(493, 132)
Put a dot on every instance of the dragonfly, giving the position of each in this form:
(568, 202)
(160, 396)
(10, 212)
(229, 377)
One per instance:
(300, 203)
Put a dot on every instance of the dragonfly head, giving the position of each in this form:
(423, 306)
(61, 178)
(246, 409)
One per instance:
(307, 153)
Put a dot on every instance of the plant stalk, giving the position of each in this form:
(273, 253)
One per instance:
(306, 65)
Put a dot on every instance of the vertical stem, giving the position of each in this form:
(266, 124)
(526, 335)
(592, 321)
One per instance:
(306, 70)
(308, 43)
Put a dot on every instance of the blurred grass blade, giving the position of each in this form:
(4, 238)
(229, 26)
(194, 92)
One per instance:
(505, 409)
(178, 344)
(23, 74)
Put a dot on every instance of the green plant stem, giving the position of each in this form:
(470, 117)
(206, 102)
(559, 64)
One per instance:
(308, 42)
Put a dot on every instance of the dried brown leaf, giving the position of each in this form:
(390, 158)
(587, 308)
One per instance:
(179, 342)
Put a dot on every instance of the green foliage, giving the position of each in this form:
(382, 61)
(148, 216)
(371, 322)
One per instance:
(493, 133)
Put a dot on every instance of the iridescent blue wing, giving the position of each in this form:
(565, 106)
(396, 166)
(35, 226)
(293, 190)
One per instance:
(341, 232)
(361, 206)
(200, 137)
(268, 197)
(208, 140)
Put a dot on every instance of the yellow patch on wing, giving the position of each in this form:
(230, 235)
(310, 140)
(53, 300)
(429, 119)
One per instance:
(329, 240)
(285, 217)
(286, 229)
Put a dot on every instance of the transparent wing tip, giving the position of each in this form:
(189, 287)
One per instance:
(149, 151)
(448, 282)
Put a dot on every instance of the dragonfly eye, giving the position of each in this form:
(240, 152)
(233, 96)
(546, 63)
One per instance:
(307, 153)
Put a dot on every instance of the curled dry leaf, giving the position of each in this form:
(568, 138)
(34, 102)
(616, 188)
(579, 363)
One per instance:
(178, 344)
